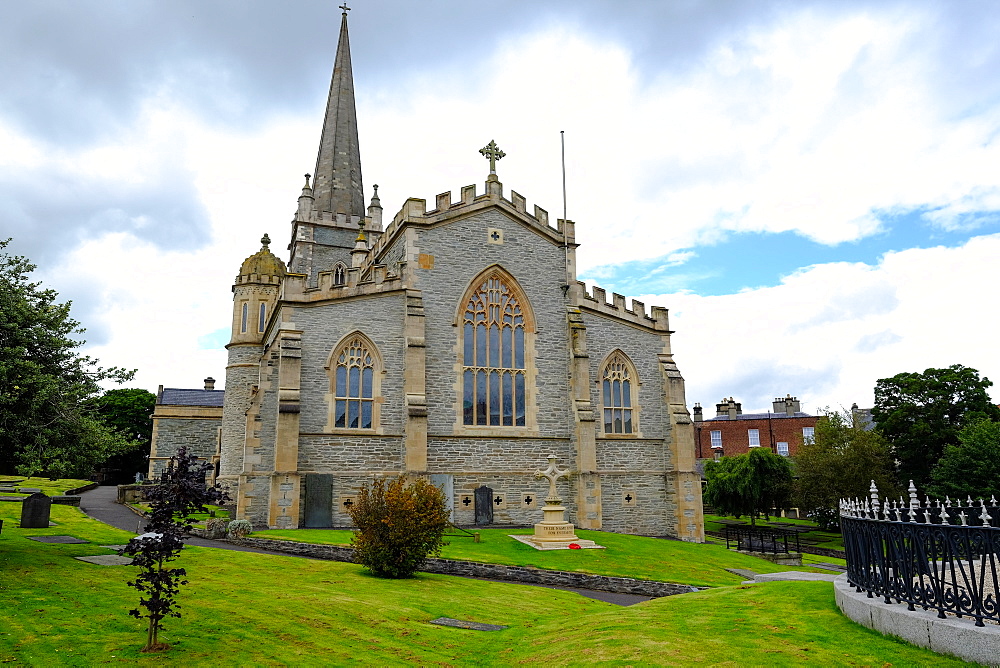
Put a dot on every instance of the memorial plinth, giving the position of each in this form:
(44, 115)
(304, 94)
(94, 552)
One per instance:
(554, 532)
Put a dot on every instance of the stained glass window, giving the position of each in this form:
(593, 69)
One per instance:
(493, 356)
(262, 318)
(353, 385)
(243, 317)
(339, 274)
(617, 390)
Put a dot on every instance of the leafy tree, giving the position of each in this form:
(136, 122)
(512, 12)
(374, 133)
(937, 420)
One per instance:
(971, 468)
(749, 484)
(922, 413)
(841, 462)
(45, 426)
(398, 525)
(127, 411)
(180, 492)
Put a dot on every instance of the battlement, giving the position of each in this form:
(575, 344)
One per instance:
(415, 212)
(597, 300)
(376, 280)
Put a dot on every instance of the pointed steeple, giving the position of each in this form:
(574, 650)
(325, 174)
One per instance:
(337, 184)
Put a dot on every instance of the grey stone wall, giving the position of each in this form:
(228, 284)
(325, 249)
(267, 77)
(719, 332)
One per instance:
(239, 380)
(461, 252)
(198, 435)
(380, 318)
(335, 453)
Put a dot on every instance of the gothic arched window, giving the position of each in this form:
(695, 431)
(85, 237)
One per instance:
(618, 382)
(340, 274)
(494, 329)
(354, 370)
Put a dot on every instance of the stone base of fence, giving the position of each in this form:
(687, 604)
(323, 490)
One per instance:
(781, 558)
(805, 549)
(958, 637)
(517, 574)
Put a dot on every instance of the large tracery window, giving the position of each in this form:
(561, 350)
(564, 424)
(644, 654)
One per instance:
(353, 370)
(618, 380)
(493, 360)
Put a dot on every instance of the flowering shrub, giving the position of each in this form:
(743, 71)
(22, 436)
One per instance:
(398, 525)
(240, 529)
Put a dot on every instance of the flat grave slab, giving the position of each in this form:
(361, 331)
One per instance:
(29, 490)
(831, 567)
(107, 560)
(742, 572)
(12, 498)
(66, 540)
(116, 548)
(462, 624)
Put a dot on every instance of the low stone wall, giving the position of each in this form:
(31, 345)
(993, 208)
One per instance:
(951, 635)
(538, 576)
(81, 490)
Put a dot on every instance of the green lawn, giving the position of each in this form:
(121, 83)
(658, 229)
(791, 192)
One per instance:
(48, 487)
(624, 556)
(827, 539)
(244, 609)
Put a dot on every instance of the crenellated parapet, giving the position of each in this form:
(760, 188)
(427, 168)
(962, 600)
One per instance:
(597, 300)
(414, 212)
(361, 282)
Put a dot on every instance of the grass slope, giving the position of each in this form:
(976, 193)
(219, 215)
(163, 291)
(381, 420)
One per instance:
(250, 609)
(623, 556)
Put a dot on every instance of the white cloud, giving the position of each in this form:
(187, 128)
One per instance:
(828, 332)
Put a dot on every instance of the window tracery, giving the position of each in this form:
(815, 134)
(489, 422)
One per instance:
(493, 368)
(617, 383)
(353, 379)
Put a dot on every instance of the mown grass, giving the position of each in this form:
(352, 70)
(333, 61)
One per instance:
(48, 487)
(623, 556)
(244, 609)
(827, 539)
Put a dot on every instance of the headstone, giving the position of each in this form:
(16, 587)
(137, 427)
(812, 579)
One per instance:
(446, 482)
(318, 511)
(35, 511)
(484, 505)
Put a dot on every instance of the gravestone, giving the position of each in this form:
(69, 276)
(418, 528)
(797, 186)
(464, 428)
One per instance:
(484, 505)
(446, 483)
(318, 510)
(35, 510)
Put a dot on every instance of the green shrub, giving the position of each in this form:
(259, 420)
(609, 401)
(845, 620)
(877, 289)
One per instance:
(398, 525)
(240, 529)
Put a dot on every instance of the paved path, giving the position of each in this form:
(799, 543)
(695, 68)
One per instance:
(100, 504)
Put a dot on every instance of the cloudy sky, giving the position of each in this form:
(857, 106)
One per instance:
(811, 188)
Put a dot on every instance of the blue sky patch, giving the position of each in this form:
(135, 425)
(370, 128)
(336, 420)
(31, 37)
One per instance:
(754, 260)
(214, 340)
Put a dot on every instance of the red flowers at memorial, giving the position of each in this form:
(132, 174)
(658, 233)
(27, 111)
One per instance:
(574, 546)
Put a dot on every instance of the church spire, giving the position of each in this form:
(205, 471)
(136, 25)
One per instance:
(337, 184)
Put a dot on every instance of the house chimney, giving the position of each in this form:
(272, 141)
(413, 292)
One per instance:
(728, 408)
(697, 413)
(209, 383)
(788, 405)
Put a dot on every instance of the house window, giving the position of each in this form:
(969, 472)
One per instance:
(354, 382)
(618, 379)
(716, 439)
(243, 318)
(493, 361)
(783, 448)
(808, 434)
(261, 317)
(753, 436)
(340, 274)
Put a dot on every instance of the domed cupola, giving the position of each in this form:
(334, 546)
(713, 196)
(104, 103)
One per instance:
(263, 266)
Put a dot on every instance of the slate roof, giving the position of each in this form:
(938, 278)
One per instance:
(180, 397)
(760, 416)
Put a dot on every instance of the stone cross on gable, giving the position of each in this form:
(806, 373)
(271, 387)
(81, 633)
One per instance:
(552, 473)
(493, 153)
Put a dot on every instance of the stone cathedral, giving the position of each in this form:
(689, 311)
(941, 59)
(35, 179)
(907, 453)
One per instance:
(451, 341)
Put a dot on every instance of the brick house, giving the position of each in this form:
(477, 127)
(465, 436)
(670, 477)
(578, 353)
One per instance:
(732, 432)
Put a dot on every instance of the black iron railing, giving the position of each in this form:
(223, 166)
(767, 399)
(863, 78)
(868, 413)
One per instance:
(761, 539)
(935, 555)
